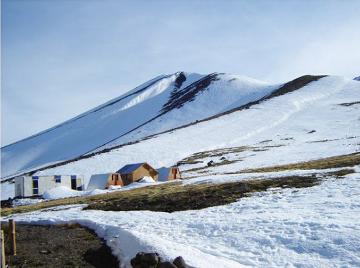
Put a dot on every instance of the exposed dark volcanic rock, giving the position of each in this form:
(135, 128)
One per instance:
(180, 80)
(179, 97)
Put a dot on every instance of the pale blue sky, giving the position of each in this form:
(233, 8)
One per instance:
(62, 57)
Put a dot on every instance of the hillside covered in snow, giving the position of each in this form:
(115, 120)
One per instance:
(163, 103)
(291, 150)
(172, 117)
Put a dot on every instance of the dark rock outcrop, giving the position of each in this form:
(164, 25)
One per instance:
(145, 260)
(180, 262)
(153, 260)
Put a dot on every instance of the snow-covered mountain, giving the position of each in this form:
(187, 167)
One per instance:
(307, 128)
(165, 102)
(192, 113)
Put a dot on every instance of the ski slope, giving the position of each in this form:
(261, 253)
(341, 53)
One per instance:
(160, 104)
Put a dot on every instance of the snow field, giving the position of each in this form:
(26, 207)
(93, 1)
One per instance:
(308, 227)
(269, 120)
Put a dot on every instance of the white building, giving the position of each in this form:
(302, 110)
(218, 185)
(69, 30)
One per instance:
(26, 186)
(103, 181)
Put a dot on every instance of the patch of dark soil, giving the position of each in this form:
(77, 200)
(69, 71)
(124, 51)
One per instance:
(179, 198)
(6, 203)
(349, 103)
(341, 173)
(213, 164)
(194, 158)
(265, 141)
(287, 139)
(58, 246)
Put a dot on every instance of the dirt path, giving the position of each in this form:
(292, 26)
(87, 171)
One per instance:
(59, 246)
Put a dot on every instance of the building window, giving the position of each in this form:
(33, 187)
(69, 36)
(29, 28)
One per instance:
(73, 183)
(57, 178)
(35, 184)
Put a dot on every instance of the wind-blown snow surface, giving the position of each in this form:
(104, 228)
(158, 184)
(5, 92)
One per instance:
(288, 120)
(135, 115)
(309, 227)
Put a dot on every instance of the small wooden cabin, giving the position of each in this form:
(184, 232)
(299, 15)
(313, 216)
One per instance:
(135, 172)
(168, 174)
(26, 186)
(103, 181)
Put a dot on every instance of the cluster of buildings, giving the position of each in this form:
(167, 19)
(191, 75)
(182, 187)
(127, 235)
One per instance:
(27, 186)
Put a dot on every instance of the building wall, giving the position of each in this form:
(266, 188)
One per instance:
(142, 172)
(19, 186)
(127, 178)
(117, 182)
(24, 184)
(171, 174)
(178, 174)
(138, 174)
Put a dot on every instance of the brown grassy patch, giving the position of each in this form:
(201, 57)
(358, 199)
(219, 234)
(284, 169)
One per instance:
(349, 160)
(215, 164)
(173, 196)
(196, 157)
(180, 198)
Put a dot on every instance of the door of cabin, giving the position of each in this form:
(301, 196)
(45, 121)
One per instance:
(73, 182)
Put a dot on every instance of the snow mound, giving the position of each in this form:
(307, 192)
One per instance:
(26, 201)
(94, 192)
(147, 179)
(61, 192)
(114, 187)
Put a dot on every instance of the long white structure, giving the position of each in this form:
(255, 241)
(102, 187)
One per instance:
(26, 186)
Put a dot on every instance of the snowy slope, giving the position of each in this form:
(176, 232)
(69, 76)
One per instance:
(310, 227)
(309, 123)
(304, 227)
(160, 104)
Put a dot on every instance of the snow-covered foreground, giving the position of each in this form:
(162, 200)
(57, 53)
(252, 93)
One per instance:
(308, 227)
